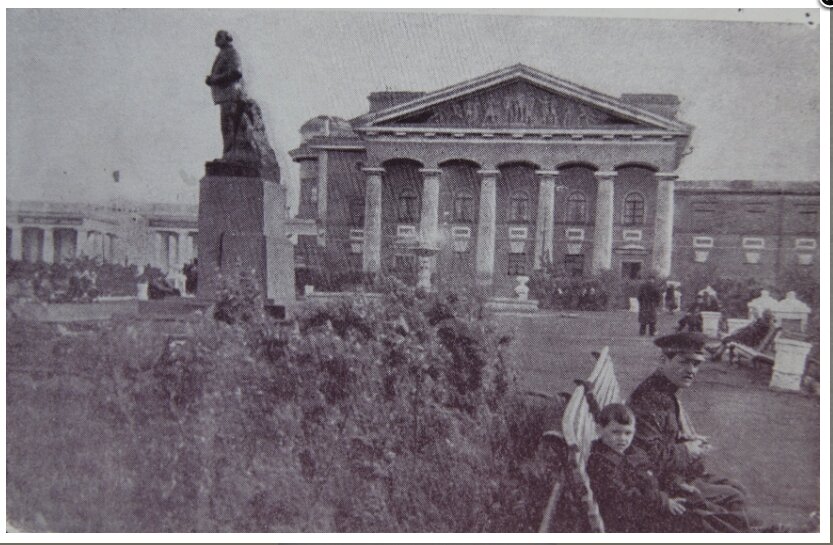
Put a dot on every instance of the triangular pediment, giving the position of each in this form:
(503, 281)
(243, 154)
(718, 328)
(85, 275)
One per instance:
(519, 97)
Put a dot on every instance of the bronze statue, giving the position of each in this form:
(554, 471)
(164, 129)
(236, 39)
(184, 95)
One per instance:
(227, 87)
(246, 147)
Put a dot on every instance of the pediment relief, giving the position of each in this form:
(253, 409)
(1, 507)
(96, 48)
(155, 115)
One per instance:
(515, 104)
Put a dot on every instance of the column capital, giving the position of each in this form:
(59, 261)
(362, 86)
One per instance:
(373, 170)
(546, 173)
(430, 171)
(605, 174)
(669, 176)
(488, 172)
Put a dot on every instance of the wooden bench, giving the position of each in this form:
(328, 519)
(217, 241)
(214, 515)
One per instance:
(762, 354)
(573, 442)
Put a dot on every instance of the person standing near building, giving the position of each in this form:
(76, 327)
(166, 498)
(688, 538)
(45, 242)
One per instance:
(670, 299)
(649, 299)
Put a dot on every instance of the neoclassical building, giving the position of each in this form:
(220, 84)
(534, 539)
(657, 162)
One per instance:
(504, 173)
(159, 234)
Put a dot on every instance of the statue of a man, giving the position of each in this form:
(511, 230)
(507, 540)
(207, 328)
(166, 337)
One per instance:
(227, 88)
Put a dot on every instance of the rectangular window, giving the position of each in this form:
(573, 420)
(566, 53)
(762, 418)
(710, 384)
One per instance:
(805, 244)
(574, 234)
(753, 243)
(357, 212)
(703, 242)
(632, 235)
(517, 265)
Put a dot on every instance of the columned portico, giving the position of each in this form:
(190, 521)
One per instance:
(545, 219)
(664, 224)
(372, 248)
(429, 218)
(603, 228)
(486, 226)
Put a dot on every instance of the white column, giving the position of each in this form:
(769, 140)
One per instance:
(664, 224)
(545, 218)
(323, 173)
(603, 228)
(486, 226)
(105, 247)
(161, 249)
(82, 243)
(173, 252)
(17, 242)
(372, 250)
(195, 251)
(429, 218)
(185, 248)
(48, 245)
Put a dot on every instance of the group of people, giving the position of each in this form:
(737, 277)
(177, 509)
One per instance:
(650, 300)
(647, 468)
(581, 297)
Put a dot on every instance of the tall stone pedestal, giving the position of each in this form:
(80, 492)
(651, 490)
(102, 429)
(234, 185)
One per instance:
(242, 220)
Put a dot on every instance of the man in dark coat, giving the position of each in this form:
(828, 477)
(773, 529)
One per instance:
(693, 320)
(664, 432)
(649, 299)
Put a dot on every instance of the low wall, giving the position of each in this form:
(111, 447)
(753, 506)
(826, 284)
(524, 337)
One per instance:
(73, 312)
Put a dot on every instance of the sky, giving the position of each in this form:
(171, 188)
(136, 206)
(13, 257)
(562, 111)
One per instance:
(92, 92)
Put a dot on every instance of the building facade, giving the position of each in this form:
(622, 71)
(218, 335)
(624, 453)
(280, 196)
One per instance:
(161, 235)
(512, 171)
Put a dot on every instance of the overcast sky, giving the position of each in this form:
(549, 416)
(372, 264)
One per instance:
(90, 92)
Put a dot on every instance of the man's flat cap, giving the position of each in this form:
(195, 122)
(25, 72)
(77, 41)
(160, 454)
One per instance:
(682, 342)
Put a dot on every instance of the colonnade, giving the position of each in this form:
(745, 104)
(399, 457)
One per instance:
(545, 219)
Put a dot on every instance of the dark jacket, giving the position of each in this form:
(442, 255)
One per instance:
(659, 431)
(626, 489)
(649, 298)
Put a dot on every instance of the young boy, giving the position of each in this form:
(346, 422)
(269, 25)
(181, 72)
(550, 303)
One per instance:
(623, 483)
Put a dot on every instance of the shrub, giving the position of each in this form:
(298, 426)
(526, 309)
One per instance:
(358, 415)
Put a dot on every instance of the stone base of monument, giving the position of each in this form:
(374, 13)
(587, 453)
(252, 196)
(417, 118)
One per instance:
(506, 304)
(242, 229)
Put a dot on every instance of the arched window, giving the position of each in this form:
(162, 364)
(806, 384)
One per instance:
(408, 206)
(577, 208)
(463, 207)
(519, 211)
(634, 212)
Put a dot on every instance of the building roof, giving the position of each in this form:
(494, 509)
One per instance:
(624, 108)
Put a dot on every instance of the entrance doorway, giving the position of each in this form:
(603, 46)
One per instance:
(631, 270)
